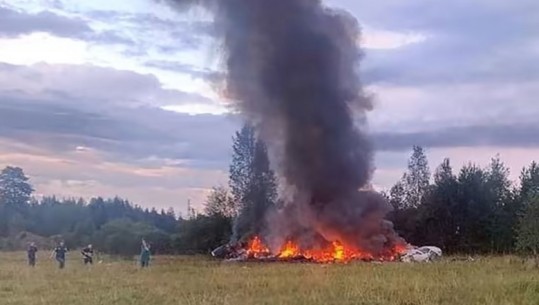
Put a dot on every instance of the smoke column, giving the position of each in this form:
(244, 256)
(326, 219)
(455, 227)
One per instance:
(292, 66)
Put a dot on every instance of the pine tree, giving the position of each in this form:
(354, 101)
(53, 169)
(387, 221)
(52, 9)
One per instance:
(528, 228)
(502, 206)
(444, 173)
(498, 182)
(252, 182)
(529, 181)
(240, 171)
(416, 180)
(437, 223)
(526, 210)
(473, 211)
(170, 213)
(263, 188)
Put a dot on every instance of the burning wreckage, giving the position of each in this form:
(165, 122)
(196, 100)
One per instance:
(296, 81)
(255, 250)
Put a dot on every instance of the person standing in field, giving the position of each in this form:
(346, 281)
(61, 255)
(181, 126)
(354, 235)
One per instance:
(60, 254)
(145, 254)
(31, 251)
(88, 255)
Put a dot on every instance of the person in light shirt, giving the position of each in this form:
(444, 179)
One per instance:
(145, 254)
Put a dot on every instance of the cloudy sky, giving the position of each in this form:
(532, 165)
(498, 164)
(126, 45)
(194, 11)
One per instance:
(117, 97)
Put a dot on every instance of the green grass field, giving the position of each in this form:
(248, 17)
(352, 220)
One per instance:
(191, 280)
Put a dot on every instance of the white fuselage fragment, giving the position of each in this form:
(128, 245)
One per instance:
(422, 254)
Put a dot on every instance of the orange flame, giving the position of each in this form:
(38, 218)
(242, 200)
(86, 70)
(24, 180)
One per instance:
(256, 248)
(334, 252)
(339, 251)
(289, 250)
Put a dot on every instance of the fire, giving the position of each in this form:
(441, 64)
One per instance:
(334, 252)
(256, 248)
(289, 250)
(339, 251)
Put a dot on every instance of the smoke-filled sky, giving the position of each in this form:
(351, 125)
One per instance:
(115, 97)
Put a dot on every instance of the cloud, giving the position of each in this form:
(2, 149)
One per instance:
(195, 72)
(88, 174)
(90, 131)
(500, 136)
(167, 35)
(64, 107)
(151, 156)
(90, 86)
(110, 37)
(487, 41)
(455, 16)
(147, 136)
(16, 23)
(449, 61)
(379, 39)
(425, 108)
(137, 135)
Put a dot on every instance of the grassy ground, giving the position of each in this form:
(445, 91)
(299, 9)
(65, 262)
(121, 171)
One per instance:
(189, 280)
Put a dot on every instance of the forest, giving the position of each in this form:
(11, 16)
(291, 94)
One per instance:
(475, 210)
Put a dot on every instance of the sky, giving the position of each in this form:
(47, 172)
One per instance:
(121, 98)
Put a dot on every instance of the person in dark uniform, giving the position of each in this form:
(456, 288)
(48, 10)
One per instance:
(31, 251)
(88, 255)
(60, 254)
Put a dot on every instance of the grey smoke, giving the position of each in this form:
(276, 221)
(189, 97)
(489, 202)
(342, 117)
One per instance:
(292, 67)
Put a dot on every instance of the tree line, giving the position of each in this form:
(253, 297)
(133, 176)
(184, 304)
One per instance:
(476, 210)
(116, 226)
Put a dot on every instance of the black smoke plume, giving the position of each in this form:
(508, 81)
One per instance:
(292, 68)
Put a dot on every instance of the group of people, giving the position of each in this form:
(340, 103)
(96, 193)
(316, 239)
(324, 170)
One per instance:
(60, 251)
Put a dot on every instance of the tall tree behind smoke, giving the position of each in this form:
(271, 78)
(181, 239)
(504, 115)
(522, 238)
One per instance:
(252, 182)
(292, 67)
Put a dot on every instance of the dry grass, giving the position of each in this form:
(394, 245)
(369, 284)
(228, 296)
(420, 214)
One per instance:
(191, 280)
